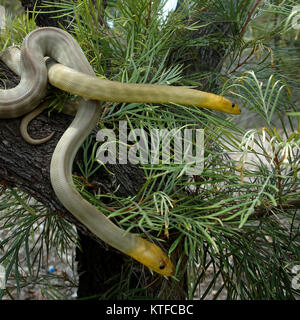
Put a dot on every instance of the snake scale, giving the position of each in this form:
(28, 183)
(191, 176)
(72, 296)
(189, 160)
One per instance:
(69, 70)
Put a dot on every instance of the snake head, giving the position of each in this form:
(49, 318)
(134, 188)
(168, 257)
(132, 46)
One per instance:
(222, 104)
(153, 257)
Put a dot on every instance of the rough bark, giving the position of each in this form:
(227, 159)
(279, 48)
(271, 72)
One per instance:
(45, 17)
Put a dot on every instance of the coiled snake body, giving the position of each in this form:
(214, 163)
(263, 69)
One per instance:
(74, 74)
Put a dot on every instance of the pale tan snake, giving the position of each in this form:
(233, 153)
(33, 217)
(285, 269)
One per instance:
(74, 74)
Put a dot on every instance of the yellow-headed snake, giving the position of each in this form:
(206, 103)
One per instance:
(69, 70)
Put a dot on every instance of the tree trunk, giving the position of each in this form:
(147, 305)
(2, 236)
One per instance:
(44, 19)
(26, 167)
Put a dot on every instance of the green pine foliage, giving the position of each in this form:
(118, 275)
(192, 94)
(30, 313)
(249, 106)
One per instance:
(240, 216)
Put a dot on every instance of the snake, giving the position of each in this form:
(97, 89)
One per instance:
(52, 55)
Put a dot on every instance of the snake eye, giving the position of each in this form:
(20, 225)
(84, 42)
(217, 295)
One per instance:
(233, 105)
(161, 266)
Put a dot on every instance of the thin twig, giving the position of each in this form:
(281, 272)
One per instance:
(244, 61)
(149, 13)
(250, 16)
